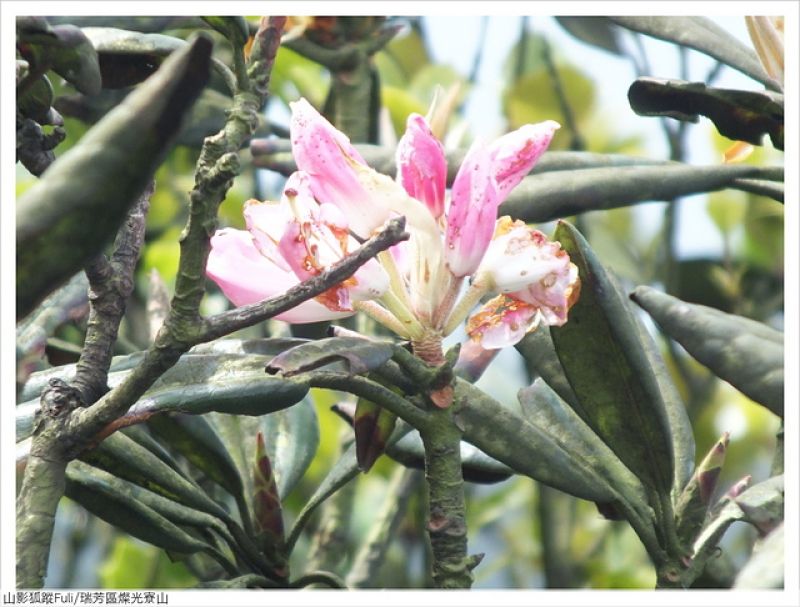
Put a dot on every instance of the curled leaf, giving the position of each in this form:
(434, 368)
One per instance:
(358, 355)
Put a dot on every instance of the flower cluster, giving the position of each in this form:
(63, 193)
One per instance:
(335, 199)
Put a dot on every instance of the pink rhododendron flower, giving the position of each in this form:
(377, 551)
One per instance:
(415, 288)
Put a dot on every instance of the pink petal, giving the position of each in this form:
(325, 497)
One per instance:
(483, 182)
(474, 199)
(514, 154)
(245, 276)
(421, 164)
(502, 322)
(330, 161)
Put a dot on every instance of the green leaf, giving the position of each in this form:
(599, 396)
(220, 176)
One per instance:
(292, 439)
(701, 34)
(533, 99)
(63, 48)
(126, 459)
(111, 499)
(596, 31)
(196, 439)
(607, 366)
(552, 195)
(540, 355)
(357, 354)
(62, 221)
(743, 352)
(739, 115)
(136, 55)
(400, 103)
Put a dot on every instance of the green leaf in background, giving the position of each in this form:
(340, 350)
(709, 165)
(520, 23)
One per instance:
(295, 76)
(701, 34)
(533, 99)
(134, 565)
(743, 352)
(739, 115)
(408, 55)
(596, 31)
(607, 366)
(400, 104)
(116, 159)
(357, 354)
(540, 354)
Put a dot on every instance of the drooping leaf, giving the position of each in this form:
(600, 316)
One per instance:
(596, 31)
(606, 363)
(110, 499)
(739, 115)
(701, 34)
(743, 352)
(116, 159)
(126, 459)
(553, 195)
(196, 439)
(357, 355)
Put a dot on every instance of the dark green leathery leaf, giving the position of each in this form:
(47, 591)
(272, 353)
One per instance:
(175, 512)
(357, 354)
(226, 383)
(607, 366)
(548, 196)
(115, 159)
(292, 439)
(138, 54)
(739, 115)
(124, 458)
(703, 35)
(110, 499)
(745, 353)
(540, 356)
(196, 439)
